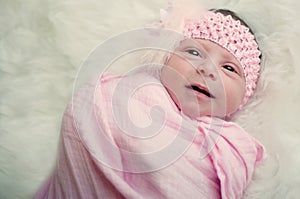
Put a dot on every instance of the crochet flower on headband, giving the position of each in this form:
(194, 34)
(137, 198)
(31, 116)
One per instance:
(234, 37)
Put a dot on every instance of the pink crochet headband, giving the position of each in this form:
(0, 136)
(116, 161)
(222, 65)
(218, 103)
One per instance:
(233, 36)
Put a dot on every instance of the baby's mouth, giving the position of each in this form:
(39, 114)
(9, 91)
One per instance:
(200, 89)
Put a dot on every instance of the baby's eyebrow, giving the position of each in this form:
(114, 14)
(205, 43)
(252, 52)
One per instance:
(190, 42)
(193, 44)
(228, 56)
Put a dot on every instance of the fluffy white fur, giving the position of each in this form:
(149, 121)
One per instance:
(42, 44)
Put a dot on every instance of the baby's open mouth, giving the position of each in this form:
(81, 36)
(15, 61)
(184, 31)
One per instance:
(201, 89)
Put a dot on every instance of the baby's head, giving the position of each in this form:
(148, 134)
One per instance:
(214, 70)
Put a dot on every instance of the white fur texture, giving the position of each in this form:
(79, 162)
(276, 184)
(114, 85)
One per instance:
(42, 44)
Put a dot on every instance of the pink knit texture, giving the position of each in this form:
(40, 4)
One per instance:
(234, 37)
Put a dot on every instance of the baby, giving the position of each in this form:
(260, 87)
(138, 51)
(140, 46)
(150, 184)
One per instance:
(190, 150)
(222, 53)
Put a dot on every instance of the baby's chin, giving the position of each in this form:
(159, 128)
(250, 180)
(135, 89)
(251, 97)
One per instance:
(195, 112)
(191, 111)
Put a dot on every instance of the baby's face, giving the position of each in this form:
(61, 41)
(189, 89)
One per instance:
(204, 79)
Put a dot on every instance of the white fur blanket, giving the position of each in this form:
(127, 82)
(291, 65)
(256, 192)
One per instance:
(43, 43)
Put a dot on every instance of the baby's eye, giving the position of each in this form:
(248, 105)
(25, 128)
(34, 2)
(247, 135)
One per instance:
(229, 68)
(193, 52)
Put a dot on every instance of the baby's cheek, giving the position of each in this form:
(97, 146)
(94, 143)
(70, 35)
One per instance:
(234, 100)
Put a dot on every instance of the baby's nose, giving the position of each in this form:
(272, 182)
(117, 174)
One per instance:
(210, 73)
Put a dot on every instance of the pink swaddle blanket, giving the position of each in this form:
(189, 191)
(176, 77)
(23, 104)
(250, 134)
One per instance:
(129, 140)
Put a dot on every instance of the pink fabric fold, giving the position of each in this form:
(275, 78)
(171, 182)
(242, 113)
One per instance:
(124, 139)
